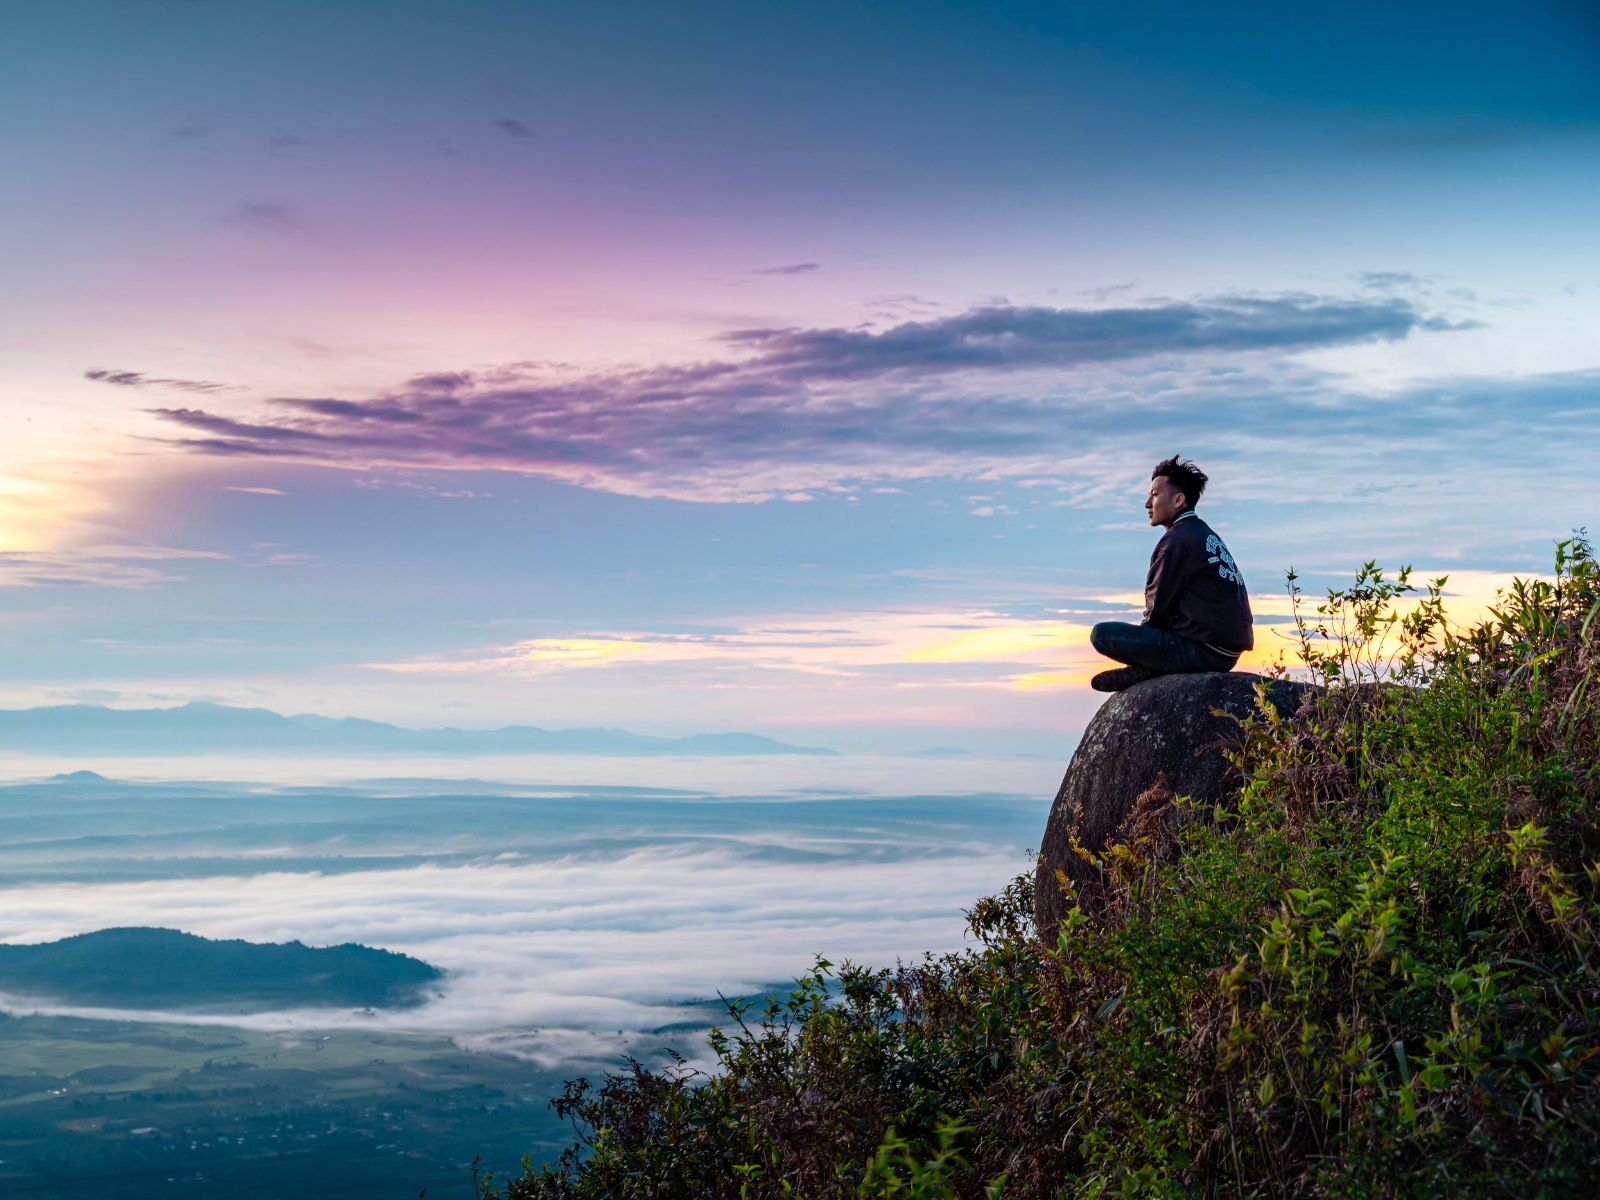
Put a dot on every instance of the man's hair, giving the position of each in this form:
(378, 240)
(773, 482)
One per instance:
(1185, 476)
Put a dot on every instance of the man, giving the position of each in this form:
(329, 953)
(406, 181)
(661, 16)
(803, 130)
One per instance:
(1196, 611)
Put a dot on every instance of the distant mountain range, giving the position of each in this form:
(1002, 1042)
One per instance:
(204, 728)
(143, 968)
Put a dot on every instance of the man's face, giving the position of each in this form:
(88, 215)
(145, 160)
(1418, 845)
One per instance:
(1164, 502)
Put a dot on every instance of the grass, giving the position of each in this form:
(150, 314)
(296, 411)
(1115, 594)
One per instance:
(1372, 974)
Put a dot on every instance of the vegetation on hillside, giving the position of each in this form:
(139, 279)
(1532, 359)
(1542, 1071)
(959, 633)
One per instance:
(136, 967)
(1374, 974)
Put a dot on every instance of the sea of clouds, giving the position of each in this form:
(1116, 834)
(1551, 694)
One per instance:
(573, 919)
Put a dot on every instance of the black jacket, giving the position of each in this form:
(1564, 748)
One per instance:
(1195, 589)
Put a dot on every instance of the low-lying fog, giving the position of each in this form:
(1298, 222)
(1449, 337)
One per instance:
(570, 900)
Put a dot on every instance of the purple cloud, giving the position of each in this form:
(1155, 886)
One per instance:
(802, 408)
(1018, 338)
(138, 379)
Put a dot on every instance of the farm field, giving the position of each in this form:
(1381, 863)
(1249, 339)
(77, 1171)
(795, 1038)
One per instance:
(141, 1110)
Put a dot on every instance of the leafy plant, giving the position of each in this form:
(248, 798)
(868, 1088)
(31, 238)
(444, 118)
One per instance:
(1371, 974)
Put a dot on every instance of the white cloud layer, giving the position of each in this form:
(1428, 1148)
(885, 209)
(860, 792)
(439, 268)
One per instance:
(571, 922)
(597, 946)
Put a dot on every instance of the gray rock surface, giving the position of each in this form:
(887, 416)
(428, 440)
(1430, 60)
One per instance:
(1165, 727)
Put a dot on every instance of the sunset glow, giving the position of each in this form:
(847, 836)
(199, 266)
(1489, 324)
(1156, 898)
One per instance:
(709, 369)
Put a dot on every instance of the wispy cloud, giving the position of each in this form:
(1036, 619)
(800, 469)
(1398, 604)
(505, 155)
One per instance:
(95, 566)
(152, 553)
(1102, 294)
(796, 269)
(513, 128)
(138, 379)
(54, 570)
(1389, 281)
(1000, 389)
(1006, 337)
(917, 645)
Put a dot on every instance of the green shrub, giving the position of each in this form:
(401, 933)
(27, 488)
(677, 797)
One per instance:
(1373, 975)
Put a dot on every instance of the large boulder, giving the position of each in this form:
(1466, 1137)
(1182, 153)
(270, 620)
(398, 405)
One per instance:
(1165, 735)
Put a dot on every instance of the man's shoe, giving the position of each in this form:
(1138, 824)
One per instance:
(1121, 679)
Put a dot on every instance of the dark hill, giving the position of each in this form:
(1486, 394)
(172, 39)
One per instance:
(145, 968)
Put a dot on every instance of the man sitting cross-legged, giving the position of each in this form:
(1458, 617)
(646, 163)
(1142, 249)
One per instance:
(1196, 611)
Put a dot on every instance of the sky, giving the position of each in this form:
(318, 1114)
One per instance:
(787, 368)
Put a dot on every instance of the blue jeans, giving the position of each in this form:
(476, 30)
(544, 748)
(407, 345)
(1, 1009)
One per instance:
(1158, 651)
